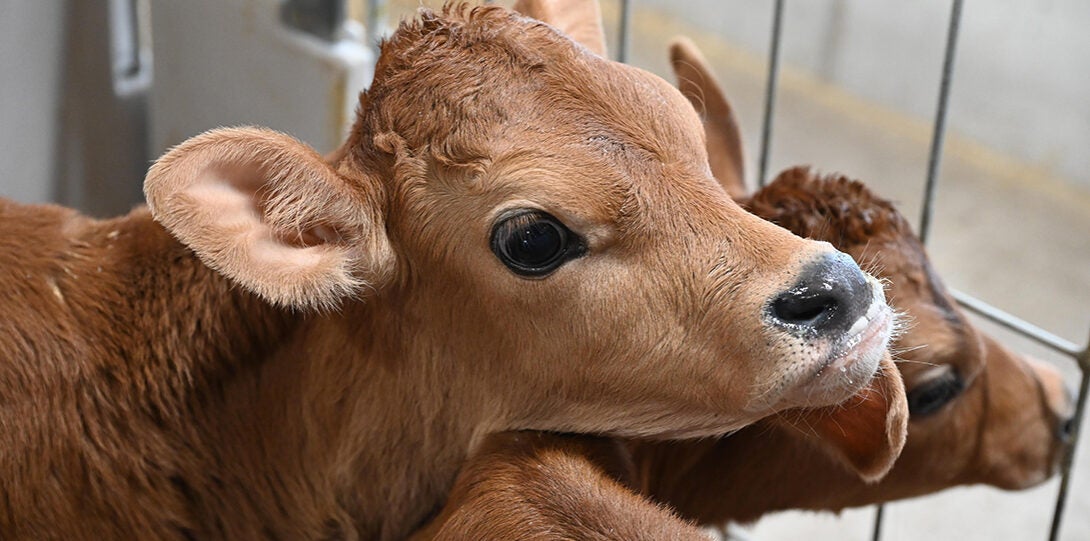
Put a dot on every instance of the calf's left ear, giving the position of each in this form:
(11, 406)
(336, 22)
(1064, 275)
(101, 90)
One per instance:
(867, 432)
(723, 137)
(269, 213)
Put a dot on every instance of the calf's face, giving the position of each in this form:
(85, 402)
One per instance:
(998, 417)
(993, 416)
(542, 227)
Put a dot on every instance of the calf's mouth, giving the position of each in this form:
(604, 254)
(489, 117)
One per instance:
(834, 326)
(852, 360)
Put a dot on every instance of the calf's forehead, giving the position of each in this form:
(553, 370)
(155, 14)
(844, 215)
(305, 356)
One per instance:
(624, 111)
(491, 84)
(610, 143)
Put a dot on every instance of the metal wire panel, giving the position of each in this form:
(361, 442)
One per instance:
(770, 91)
(624, 31)
(1080, 355)
(938, 136)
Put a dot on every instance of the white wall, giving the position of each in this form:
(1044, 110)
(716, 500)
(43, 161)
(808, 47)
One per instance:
(30, 43)
(1022, 77)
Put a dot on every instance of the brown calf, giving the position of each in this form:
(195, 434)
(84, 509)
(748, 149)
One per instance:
(516, 235)
(993, 416)
(980, 414)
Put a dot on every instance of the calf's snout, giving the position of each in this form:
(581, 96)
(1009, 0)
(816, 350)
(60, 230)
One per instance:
(830, 295)
(1058, 397)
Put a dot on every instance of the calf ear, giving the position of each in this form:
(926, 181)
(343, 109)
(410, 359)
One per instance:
(581, 20)
(867, 432)
(723, 138)
(267, 212)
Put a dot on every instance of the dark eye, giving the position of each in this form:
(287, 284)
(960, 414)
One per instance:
(533, 243)
(932, 395)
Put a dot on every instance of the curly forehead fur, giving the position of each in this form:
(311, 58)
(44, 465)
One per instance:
(832, 208)
(462, 84)
(460, 27)
(453, 66)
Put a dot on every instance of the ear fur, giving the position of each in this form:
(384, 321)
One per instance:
(581, 20)
(724, 139)
(867, 432)
(266, 211)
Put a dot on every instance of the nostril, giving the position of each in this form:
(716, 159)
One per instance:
(831, 294)
(800, 308)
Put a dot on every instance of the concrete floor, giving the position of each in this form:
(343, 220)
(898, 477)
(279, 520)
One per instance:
(1003, 231)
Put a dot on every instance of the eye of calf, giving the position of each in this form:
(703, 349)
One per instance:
(931, 395)
(533, 243)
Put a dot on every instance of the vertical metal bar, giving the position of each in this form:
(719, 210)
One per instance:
(372, 21)
(770, 91)
(1069, 459)
(938, 136)
(322, 18)
(880, 511)
(124, 38)
(624, 30)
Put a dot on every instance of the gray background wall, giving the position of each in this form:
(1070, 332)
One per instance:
(1022, 84)
(30, 44)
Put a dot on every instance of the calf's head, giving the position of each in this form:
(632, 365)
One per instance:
(992, 416)
(978, 413)
(528, 226)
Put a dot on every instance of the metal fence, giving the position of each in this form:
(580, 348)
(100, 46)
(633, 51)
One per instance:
(1079, 354)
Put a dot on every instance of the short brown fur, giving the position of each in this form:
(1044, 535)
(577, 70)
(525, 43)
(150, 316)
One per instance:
(1003, 429)
(301, 349)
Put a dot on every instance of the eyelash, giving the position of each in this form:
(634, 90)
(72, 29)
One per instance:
(933, 395)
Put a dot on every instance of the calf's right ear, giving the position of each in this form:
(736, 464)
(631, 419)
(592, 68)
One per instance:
(269, 213)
